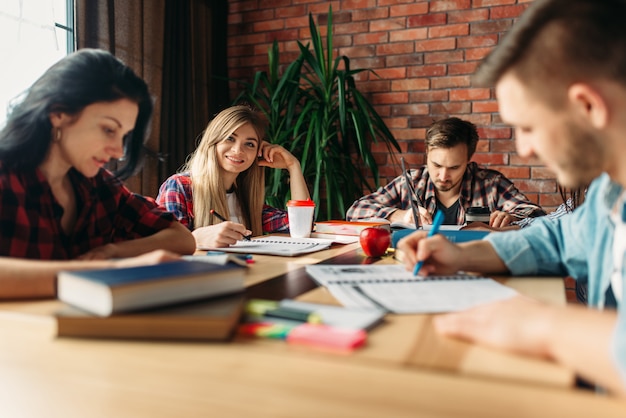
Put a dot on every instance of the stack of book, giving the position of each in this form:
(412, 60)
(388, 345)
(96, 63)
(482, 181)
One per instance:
(174, 300)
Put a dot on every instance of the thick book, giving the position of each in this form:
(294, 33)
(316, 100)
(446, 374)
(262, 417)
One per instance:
(107, 291)
(204, 320)
(339, 227)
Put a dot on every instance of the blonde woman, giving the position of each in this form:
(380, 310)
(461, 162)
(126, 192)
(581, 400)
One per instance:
(224, 179)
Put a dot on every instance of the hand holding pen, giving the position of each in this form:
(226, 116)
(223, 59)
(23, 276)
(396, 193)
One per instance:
(434, 229)
(221, 218)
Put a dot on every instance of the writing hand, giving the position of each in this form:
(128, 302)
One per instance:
(440, 256)
(220, 235)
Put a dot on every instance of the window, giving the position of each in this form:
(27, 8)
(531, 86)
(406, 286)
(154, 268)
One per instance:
(34, 35)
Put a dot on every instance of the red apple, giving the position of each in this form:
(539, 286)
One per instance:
(375, 241)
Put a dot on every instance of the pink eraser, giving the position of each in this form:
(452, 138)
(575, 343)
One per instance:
(325, 336)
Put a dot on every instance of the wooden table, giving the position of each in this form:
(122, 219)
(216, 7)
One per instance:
(405, 370)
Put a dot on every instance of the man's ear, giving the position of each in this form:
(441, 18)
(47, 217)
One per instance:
(589, 103)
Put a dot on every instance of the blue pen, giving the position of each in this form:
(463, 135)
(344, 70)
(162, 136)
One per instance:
(433, 230)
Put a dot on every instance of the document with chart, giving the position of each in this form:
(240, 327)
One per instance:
(393, 288)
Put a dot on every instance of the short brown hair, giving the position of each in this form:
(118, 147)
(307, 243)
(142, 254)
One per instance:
(447, 133)
(558, 42)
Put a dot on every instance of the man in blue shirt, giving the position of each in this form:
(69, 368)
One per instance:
(560, 79)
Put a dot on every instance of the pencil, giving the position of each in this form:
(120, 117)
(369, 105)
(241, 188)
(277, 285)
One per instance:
(433, 230)
(221, 218)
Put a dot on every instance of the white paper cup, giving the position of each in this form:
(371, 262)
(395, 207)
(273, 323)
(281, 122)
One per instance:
(300, 214)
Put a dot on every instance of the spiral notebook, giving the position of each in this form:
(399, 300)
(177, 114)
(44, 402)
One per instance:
(392, 288)
(284, 246)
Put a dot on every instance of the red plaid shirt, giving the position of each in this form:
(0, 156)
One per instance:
(30, 217)
(176, 196)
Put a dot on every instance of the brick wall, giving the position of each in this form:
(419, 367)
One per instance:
(423, 52)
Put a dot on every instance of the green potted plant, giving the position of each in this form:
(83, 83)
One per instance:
(317, 112)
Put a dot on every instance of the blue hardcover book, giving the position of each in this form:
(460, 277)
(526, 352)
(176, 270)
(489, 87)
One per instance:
(455, 236)
(107, 291)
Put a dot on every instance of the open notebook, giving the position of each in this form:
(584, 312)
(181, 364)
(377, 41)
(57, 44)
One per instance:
(285, 246)
(393, 288)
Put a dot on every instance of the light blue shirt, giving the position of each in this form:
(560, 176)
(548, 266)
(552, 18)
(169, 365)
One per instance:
(578, 245)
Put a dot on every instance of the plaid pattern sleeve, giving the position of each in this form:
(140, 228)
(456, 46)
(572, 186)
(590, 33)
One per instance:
(136, 216)
(491, 188)
(381, 203)
(175, 195)
(274, 220)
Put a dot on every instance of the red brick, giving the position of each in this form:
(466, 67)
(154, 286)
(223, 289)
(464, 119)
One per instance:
(387, 25)
(269, 25)
(240, 6)
(282, 35)
(351, 28)
(514, 173)
(477, 41)
(439, 5)
(396, 122)
(390, 98)
(374, 63)
(443, 57)
(408, 9)
(490, 159)
(495, 26)
(357, 4)
(459, 29)
(283, 12)
(358, 51)
(495, 132)
(485, 3)
(444, 82)
(299, 22)
(258, 15)
(408, 34)
(427, 70)
(435, 45)
(490, 106)
(482, 146)
(370, 14)
(405, 60)
(406, 134)
(395, 48)
(410, 110)
(501, 145)
(374, 85)
(410, 84)
(426, 20)
(542, 173)
(462, 68)
(473, 54)
(506, 11)
(470, 94)
(476, 15)
(450, 108)
(428, 96)
(554, 199)
(392, 73)
(371, 38)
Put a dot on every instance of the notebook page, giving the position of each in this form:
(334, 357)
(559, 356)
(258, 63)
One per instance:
(283, 246)
(394, 289)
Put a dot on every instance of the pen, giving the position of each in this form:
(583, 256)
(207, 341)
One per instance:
(412, 196)
(433, 230)
(221, 218)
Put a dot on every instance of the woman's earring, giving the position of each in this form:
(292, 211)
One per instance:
(57, 135)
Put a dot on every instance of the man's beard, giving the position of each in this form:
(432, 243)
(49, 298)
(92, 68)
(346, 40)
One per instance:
(582, 160)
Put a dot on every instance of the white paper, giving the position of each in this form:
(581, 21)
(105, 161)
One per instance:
(393, 288)
(284, 246)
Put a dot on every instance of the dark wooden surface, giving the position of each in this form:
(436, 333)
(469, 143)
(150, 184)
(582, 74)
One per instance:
(297, 282)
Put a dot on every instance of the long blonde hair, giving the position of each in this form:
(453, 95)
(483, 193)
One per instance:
(206, 173)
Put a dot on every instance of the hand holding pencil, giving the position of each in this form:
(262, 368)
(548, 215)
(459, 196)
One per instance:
(220, 235)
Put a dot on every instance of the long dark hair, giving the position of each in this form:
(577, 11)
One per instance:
(82, 78)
